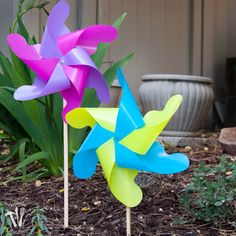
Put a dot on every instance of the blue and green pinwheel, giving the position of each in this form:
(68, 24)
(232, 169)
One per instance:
(124, 142)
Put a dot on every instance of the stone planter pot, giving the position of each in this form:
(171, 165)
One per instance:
(197, 94)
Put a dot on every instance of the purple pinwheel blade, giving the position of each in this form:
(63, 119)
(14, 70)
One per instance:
(54, 28)
(97, 81)
(39, 88)
(28, 92)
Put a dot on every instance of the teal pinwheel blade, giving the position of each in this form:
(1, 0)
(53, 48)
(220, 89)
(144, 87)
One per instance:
(155, 160)
(129, 117)
(84, 163)
(86, 159)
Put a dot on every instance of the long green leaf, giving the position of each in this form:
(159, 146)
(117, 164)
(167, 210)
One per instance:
(4, 80)
(22, 156)
(4, 127)
(33, 158)
(13, 150)
(8, 69)
(111, 73)
(20, 67)
(4, 136)
(17, 110)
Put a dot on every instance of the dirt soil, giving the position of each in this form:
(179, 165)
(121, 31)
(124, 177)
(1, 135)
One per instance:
(94, 211)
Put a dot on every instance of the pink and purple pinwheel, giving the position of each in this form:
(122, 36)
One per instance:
(62, 61)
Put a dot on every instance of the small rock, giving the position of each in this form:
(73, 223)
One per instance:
(38, 183)
(188, 148)
(109, 217)
(97, 203)
(5, 152)
(228, 173)
(228, 140)
(85, 209)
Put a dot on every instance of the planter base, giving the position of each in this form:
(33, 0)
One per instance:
(169, 133)
(183, 141)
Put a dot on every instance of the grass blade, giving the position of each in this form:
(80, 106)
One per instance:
(31, 159)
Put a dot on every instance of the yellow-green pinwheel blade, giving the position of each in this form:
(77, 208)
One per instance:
(120, 180)
(141, 139)
(82, 117)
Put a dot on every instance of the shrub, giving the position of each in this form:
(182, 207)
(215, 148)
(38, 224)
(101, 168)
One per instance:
(211, 196)
(5, 221)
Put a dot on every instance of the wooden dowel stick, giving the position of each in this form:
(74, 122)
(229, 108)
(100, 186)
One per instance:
(128, 221)
(66, 180)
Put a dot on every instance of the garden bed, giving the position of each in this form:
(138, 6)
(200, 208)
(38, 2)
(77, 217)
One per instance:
(94, 211)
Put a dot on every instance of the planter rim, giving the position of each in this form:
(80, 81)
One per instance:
(177, 77)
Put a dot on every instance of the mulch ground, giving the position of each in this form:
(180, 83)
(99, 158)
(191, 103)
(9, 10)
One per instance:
(94, 211)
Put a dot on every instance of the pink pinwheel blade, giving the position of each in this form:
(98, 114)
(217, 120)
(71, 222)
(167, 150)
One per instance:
(80, 64)
(88, 38)
(73, 100)
(29, 55)
(83, 76)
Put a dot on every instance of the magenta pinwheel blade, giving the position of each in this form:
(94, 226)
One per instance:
(43, 67)
(88, 38)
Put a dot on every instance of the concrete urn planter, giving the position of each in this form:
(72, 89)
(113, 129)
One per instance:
(197, 94)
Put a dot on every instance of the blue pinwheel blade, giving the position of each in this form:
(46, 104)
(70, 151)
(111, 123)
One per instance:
(155, 160)
(97, 136)
(129, 117)
(85, 160)
(84, 163)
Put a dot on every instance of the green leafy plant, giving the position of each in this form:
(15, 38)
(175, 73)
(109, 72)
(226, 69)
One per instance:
(211, 196)
(36, 126)
(38, 222)
(6, 224)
